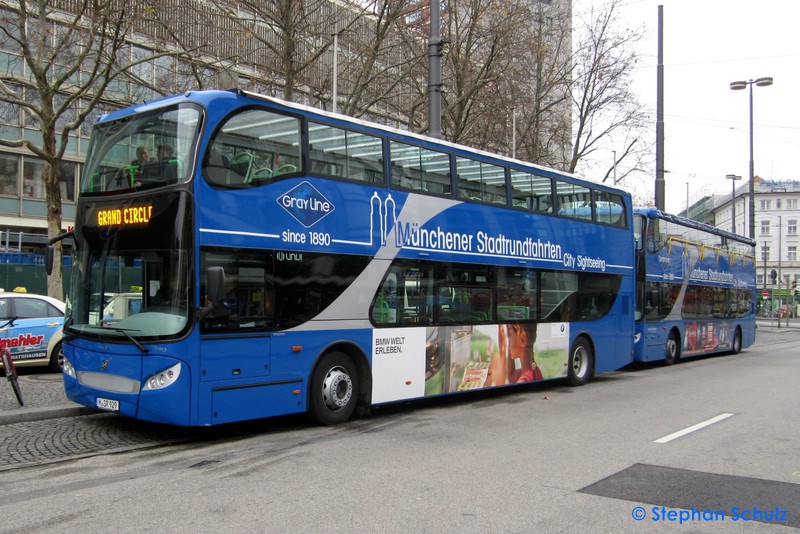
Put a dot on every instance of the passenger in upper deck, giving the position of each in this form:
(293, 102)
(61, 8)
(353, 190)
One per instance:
(162, 171)
(164, 152)
(142, 157)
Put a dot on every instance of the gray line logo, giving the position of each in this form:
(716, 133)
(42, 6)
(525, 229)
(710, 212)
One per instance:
(306, 204)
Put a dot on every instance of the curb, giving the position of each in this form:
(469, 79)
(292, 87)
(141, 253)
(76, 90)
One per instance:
(39, 414)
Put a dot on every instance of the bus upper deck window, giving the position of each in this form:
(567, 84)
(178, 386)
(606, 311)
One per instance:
(252, 148)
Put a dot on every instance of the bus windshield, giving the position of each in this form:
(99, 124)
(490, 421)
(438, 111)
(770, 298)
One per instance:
(141, 152)
(132, 280)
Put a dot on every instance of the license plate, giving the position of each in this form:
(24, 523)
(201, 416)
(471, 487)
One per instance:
(108, 404)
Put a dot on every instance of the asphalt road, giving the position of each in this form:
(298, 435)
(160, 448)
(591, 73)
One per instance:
(547, 458)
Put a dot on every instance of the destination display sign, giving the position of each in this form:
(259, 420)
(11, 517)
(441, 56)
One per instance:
(132, 215)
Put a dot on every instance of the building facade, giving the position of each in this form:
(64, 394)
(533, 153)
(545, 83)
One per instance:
(777, 214)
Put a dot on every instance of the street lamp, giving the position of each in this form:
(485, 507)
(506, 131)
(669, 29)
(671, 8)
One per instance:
(733, 178)
(737, 86)
(691, 175)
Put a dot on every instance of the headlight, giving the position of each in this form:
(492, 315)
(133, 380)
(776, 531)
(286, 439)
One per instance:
(67, 369)
(163, 379)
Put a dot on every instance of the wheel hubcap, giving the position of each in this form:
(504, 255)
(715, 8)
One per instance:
(579, 362)
(672, 348)
(337, 388)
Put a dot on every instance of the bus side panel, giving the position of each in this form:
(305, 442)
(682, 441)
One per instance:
(706, 336)
(653, 341)
(748, 333)
(612, 347)
(698, 337)
(710, 336)
(417, 362)
(237, 402)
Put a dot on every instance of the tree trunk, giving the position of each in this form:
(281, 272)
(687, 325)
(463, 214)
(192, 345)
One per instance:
(55, 282)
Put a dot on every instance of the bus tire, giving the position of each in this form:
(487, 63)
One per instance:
(334, 389)
(581, 362)
(737, 341)
(671, 350)
(56, 363)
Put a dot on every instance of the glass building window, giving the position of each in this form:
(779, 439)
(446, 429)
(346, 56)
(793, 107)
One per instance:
(66, 180)
(9, 174)
(33, 178)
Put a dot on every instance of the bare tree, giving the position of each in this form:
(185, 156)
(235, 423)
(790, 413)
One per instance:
(378, 58)
(606, 111)
(538, 83)
(198, 44)
(478, 34)
(285, 38)
(506, 64)
(62, 71)
(64, 65)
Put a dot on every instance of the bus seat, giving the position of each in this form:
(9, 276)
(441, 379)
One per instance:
(241, 164)
(216, 169)
(286, 168)
(260, 174)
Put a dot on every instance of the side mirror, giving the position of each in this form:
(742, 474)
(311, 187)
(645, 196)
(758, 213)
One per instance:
(50, 250)
(48, 259)
(215, 291)
(216, 285)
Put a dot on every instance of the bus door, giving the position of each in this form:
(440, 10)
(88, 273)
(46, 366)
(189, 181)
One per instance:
(234, 371)
(236, 336)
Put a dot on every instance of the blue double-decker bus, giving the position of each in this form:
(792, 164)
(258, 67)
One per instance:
(696, 288)
(283, 259)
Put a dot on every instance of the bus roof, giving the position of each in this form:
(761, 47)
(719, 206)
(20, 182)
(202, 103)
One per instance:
(203, 96)
(655, 213)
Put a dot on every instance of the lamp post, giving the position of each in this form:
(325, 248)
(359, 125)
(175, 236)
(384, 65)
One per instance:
(335, 71)
(687, 200)
(737, 86)
(733, 178)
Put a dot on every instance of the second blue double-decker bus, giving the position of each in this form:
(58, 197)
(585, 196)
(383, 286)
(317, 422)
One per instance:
(696, 288)
(279, 259)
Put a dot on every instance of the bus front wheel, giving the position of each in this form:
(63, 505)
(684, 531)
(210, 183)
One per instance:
(581, 360)
(672, 352)
(334, 389)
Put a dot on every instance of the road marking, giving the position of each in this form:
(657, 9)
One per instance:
(688, 430)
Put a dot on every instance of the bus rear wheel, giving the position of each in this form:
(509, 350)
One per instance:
(581, 362)
(672, 352)
(737, 341)
(334, 389)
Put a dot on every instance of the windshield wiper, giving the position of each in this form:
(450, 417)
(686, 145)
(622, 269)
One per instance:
(124, 332)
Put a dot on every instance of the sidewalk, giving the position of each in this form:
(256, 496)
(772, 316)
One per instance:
(794, 324)
(44, 398)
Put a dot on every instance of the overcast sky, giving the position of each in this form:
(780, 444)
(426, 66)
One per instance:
(707, 45)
